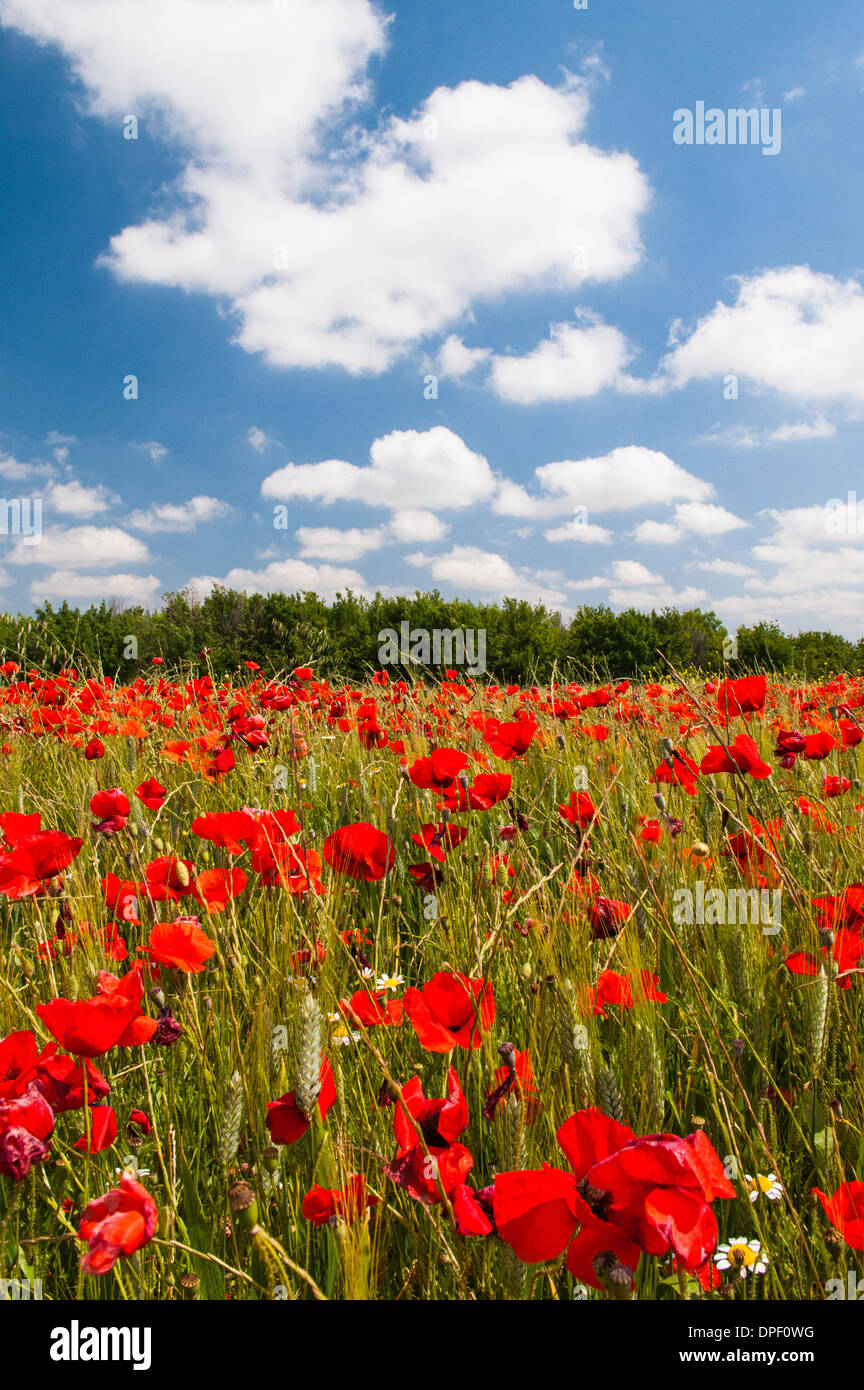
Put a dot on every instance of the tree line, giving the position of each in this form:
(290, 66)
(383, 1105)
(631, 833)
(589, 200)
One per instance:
(524, 641)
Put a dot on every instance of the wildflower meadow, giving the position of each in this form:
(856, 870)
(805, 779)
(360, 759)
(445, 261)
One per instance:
(422, 990)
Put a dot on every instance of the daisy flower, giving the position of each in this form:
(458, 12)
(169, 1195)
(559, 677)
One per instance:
(389, 981)
(768, 1186)
(743, 1255)
(340, 1033)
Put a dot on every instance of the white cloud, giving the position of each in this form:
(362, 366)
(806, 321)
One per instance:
(180, 516)
(693, 518)
(706, 519)
(18, 472)
(286, 577)
(127, 590)
(626, 478)
(99, 547)
(585, 532)
(455, 360)
(329, 543)
(657, 533)
(413, 526)
(577, 360)
(258, 439)
(156, 450)
(482, 571)
(74, 499)
(749, 437)
(409, 470)
(388, 237)
(790, 330)
(733, 567)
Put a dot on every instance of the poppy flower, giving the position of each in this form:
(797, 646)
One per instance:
(372, 1010)
(286, 1122)
(91, 1027)
(439, 770)
(742, 696)
(845, 1211)
(26, 1122)
(111, 808)
(95, 749)
(581, 810)
(835, 786)
(116, 1224)
(103, 1130)
(607, 916)
(423, 1175)
(440, 1121)
(180, 945)
(437, 839)
(360, 851)
(624, 991)
(678, 768)
(62, 1081)
(486, 791)
(450, 1011)
(508, 741)
(34, 859)
(537, 1211)
(740, 756)
(846, 951)
(322, 1205)
(151, 793)
(471, 1210)
(230, 830)
(517, 1077)
(846, 909)
(169, 879)
(217, 887)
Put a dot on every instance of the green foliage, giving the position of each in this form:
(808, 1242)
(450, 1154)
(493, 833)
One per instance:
(524, 641)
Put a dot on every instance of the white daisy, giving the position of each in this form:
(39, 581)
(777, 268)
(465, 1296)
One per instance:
(764, 1185)
(389, 981)
(744, 1255)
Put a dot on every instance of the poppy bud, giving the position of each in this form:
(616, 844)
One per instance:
(507, 1053)
(270, 1158)
(189, 1284)
(244, 1204)
(739, 1047)
(561, 740)
(660, 801)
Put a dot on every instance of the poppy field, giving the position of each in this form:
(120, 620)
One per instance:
(430, 990)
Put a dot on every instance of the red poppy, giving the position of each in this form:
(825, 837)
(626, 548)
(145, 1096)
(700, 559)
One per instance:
(372, 1010)
(103, 1130)
(581, 810)
(487, 790)
(91, 1027)
(440, 1121)
(740, 756)
(217, 887)
(111, 808)
(26, 1121)
(450, 1011)
(624, 990)
(151, 793)
(35, 858)
(437, 839)
(845, 1211)
(180, 945)
(116, 1224)
(360, 851)
(230, 830)
(439, 770)
(847, 951)
(287, 1122)
(607, 916)
(508, 741)
(741, 696)
(169, 879)
(322, 1205)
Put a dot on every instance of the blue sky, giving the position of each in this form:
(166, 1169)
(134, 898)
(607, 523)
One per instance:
(434, 287)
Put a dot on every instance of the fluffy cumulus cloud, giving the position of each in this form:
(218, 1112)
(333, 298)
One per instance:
(124, 590)
(75, 499)
(409, 470)
(627, 478)
(630, 584)
(80, 547)
(792, 330)
(285, 577)
(468, 568)
(578, 359)
(689, 518)
(179, 516)
(337, 244)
